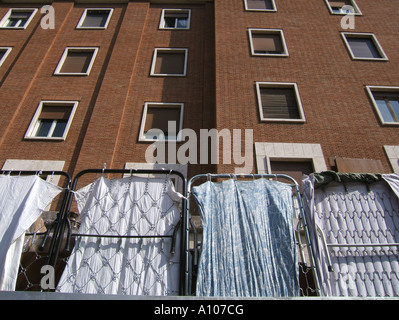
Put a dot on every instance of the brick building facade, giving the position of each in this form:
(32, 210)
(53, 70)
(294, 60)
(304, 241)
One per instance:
(231, 64)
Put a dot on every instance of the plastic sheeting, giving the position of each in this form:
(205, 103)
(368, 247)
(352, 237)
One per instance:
(248, 246)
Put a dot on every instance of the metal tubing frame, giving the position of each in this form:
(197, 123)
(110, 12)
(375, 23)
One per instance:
(52, 258)
(347, 245)
(302, 216)
(183, 218)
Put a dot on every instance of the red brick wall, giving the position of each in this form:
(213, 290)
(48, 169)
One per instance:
(106, 124)
(339, 115)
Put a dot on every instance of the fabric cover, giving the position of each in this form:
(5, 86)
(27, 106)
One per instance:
(129, 206)
(248, 246)
(22, 201)
(354, 212)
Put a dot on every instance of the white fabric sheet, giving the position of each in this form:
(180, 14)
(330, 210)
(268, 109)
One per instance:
(22, 200)
(393, 181)
(129, 206)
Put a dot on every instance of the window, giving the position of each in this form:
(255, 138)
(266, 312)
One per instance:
(52, 120)
(292, 168)
(386, 103)
(340, 7)
(76, 61)
(293, 159)
(4, 52)
(169, 62)
(17, 18)
(363, 46)
(161, 121)
(279, 102)
(260, 5)
(267, 42)
(175, 19)
(95, 18)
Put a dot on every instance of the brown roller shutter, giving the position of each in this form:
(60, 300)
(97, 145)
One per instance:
(279, 103)
(158, 118)
(338, 4)
(267, 43)
(55, 112)
(170, 62)
(77, 61)
(294, 169)
(260, 4)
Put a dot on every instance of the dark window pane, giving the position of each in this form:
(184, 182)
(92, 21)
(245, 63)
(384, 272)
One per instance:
(95, 19)
(363, 48)
(44, 128)
(59, 129)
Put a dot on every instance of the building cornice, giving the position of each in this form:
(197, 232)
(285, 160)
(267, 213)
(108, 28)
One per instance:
(43, 2)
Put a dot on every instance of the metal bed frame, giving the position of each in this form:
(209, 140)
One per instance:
(302, 224)
(65, 223)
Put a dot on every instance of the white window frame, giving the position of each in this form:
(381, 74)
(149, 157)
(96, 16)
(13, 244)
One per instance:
(261, 10)
(353, 4)
(392, 153)
(370, 90)
(83, 17)
(8, 50)
(251, 31)
(346, 35)
(36, 165)
(166, 105)
(64, 56)
(154, 60)
(292, 85)
(4, 21)
(34, 124)
(165, 11)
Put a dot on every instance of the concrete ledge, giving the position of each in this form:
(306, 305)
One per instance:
(31, 295)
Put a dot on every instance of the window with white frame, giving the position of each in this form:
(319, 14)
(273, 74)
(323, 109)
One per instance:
(4, 52)
(363, 46)
(95, 18)
(386, 103)
(76, 61)
(279, 102)
(169, 62)
(392, 153)
(18, 18)
(293, 159)
(52, 120)
(161, 121)
(343, 7)
(260, 5)
(267, 42)
(175, 19)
